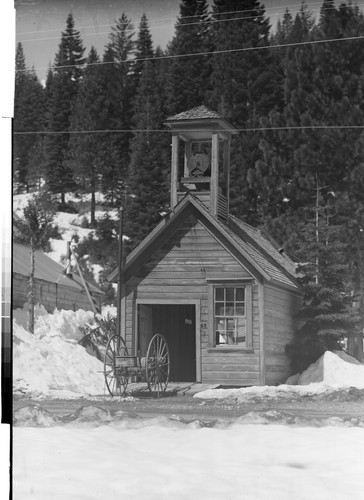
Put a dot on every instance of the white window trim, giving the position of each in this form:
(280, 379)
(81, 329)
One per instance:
(249, 315)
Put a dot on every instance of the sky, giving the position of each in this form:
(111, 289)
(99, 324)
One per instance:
(39, 23)
(94, 454)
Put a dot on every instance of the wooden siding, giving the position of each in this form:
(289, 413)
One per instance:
(50, 295)
(234, 366)
(179, 271)
(280, 306)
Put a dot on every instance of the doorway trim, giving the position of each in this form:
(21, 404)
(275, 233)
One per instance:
(176, 302)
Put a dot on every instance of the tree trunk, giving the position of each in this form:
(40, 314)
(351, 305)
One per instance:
(93, 203)
(31, 289)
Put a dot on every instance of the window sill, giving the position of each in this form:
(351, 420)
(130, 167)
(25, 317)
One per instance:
(247, 350)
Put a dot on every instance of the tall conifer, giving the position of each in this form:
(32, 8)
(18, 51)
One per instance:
(85, 157)
(64, 84)
(148, 185)
(188, 80)
(119, 91)
(29, 116)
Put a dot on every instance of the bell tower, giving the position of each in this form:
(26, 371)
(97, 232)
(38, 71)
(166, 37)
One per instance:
(202, 167)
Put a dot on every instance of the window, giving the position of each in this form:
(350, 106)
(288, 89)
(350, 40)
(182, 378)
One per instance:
(230, 315)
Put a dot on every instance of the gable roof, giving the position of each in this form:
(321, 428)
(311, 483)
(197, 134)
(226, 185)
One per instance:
(46, 269)
(248, 245)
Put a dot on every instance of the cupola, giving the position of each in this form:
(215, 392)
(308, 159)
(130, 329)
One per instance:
(202, 168)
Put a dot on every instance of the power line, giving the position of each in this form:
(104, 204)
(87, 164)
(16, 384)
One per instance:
(211, 20)
(151, 28)
(249, 129)
(214, 52)
(186, 17)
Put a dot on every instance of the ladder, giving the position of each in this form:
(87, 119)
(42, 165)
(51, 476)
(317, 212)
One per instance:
(93, 302)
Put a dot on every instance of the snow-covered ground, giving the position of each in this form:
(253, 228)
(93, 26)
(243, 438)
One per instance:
(92, 454)
(69, 226)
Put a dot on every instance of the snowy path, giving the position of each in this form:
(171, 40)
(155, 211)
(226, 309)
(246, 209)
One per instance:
(243, 462)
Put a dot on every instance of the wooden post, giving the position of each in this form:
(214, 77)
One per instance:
(30, 297)
(120, 270)
(214, 173)
(68, 267)
(187, 155)
(174, 172)
(227, 173)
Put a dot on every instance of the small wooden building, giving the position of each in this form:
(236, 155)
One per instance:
(219, 290)
(53, 289)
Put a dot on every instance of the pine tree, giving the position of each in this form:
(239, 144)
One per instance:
(143, 50)
(85, 157)
(63, 84)
(149, 166)
(323, 88)
(29, 110)
(188, 80)
(246, 86)
(119, 91)
(327, 317)
(35, 229)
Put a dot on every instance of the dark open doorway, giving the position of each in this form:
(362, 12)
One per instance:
(178, 325)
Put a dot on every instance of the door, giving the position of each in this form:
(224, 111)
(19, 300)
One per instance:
(177, 323)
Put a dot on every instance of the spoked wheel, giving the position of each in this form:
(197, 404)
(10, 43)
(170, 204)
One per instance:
(157, 364)
(116, 376)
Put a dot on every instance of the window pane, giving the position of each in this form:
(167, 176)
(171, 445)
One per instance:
(229, 310)
(240, 294)
(230, 294)
(220, 324)
(220, 338)
(219, 294)
(230, 337)
(241, 331)
(230, 324)
(219, 309)
(240, 309)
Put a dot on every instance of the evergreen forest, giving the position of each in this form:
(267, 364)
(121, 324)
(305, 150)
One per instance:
(294, 93)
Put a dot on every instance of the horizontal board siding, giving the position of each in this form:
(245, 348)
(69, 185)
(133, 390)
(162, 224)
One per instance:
(49, 295)
(179, 271)
(280, 308)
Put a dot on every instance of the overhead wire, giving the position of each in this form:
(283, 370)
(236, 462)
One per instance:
(200, 22)
(186, 17)
(247, 129)
(204, 53)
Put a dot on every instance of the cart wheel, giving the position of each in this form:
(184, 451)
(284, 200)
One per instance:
(157, 364)
(116, 377)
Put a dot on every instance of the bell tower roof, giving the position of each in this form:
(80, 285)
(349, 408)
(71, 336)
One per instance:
(198, 123)
(197, 113)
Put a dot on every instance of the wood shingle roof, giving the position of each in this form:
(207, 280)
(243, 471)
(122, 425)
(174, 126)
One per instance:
(249, 245)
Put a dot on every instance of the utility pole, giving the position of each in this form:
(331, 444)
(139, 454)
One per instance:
(120, 270)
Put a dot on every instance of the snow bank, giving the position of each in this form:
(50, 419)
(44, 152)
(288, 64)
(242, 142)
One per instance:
(61, 322)
(51, 362)
(328, 373)
(339, 371)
